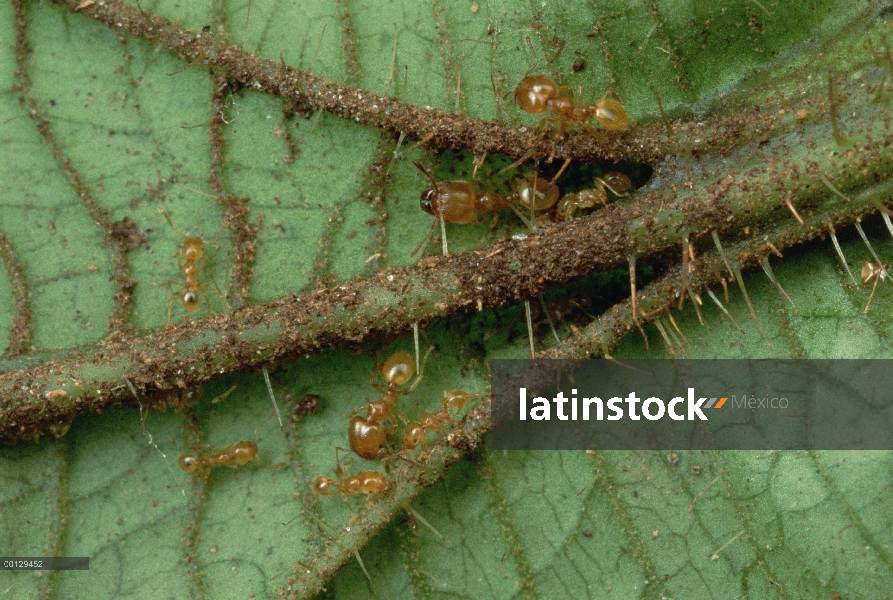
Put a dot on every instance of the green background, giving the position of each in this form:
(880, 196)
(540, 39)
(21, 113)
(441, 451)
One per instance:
(132, 121)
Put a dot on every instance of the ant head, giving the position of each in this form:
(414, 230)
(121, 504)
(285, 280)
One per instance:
(323, 486)
(244, 452)
(427, 200)
(188, 462)
(190, 300)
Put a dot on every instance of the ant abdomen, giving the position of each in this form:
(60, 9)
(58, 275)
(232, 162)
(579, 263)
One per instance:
(542, 194)
(455, 399)
(399, 368)
(534, 93)
(617, 182)
(365, 437)
(610, 114)
(244, 452)
(372, 482)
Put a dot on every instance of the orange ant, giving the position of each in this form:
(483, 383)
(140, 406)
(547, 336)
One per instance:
(242, 453)
(364, 482)
(873, 272)
(462, 202)
(615, 181)
(366, 434)
(416, 432)
(537, 93)
(192, 251)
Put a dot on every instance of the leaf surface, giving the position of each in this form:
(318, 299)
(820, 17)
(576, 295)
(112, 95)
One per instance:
(102, 127)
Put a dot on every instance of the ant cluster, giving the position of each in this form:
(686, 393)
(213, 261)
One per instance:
(367, 436)
(464, 202)
(468, 202)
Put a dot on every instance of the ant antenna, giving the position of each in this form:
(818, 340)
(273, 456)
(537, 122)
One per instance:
(425, 171)
(169, 222)
(536, 60)
(426, 238)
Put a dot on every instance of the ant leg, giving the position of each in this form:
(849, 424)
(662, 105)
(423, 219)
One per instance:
(396, 413)
(518, 162)
(873, 288)
(378, 388)
(551, 122)
(219, 293)
(219, 231)
(170, 302)
(565, 91)
(567, 162)
(478, 161)
(521, 216)
(262, 423)
(421, 142)
(600, 181)
(421, 371)
(360, 409)
(339, 472)
(385, 462)
(223, 397)
(424, 239)
(536, 60)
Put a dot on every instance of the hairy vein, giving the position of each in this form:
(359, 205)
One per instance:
(20, 334)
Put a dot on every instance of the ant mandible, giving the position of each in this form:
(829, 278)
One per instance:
(463, 202)
(416, 432)
(366, 434)
(242, 453)
(615, 181)
(537, 93)
(192, 251)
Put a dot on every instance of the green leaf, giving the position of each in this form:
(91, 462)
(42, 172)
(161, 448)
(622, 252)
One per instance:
(103, 125)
